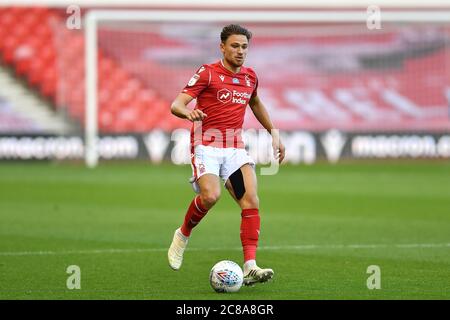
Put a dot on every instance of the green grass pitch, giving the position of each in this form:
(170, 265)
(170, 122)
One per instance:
(321, 227)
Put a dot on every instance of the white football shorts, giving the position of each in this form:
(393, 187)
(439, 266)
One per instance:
(222, 162)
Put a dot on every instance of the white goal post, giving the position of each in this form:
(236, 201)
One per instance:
(94, 17)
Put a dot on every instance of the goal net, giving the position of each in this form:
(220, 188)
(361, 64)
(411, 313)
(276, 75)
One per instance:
(329, 70)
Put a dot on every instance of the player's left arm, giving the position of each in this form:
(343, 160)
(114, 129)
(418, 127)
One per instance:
(263, 117)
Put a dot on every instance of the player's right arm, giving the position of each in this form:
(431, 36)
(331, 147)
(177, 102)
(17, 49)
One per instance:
(199, 82)
(180, 109)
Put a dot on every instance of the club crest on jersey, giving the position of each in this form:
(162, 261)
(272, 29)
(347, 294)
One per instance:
(222, 77)
(193, 80)
(247, 81)
(236, 80)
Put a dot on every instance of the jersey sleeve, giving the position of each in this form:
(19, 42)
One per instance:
(199, 82)
(255, 77)
(255, 91)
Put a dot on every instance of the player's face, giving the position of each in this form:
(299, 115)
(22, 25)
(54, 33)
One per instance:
(235, 49)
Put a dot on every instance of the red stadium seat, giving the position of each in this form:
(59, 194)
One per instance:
(10, 44)
(48, 85)
(25, 53)
(35, 72)
(8, 18)
(30, 45)
(43, 31)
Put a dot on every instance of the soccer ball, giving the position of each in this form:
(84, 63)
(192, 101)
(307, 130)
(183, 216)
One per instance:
(226, 276)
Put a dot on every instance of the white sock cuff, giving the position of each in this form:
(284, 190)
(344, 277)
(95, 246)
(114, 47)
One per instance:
(249, 264)
(182, 235)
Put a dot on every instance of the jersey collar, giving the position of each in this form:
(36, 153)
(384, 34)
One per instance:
(230, 72)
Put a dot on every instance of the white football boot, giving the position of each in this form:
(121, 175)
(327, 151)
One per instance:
(176, 250)
(256, 274)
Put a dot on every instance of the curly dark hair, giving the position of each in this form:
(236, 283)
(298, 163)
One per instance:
(234, 29)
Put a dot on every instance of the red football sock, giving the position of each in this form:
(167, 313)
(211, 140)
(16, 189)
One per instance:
(195, 213)
(250, 225)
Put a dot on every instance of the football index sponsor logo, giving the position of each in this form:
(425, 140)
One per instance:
(241, 97)
(224, 95)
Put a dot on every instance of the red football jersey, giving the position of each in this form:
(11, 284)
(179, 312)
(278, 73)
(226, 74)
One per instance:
(223, 96)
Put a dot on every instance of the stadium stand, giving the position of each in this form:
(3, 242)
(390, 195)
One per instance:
(11, 121)
(312, 76)
(24, 111)
(392, 80)
(29, 46)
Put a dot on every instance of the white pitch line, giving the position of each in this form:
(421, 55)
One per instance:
(286, 247)
(358, 246)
